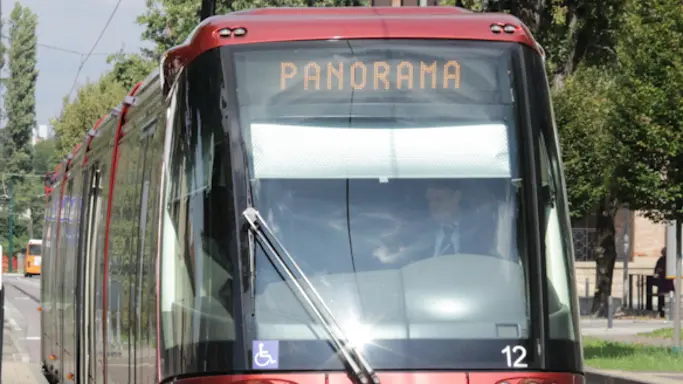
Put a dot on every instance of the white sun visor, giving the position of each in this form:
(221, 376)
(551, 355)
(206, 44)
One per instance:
(319, 152)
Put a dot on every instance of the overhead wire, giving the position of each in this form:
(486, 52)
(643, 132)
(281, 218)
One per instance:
(65, 50)
(104, 29)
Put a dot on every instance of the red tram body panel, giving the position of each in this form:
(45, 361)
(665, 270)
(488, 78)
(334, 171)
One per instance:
(275, 204)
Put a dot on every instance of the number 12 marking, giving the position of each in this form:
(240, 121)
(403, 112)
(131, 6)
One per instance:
(518, 351)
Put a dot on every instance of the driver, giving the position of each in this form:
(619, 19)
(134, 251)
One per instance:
(449, 219)
(444, 210)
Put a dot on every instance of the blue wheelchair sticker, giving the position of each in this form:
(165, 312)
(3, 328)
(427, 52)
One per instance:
(265, 354)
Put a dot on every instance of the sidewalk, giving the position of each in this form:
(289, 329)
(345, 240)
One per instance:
(21, 373)
(16, 368)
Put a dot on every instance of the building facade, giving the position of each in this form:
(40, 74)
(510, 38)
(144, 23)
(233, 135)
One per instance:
(42, 132)
(645, 242)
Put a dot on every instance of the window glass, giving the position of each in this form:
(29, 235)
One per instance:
(389, 171)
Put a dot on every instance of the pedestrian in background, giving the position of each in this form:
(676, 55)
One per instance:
(664, 285)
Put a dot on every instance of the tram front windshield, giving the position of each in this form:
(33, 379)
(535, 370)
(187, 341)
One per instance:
(389, 171)
(34, 249)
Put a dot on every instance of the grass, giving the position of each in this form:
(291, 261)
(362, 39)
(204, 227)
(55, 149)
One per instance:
(662, 333)
(604, 354)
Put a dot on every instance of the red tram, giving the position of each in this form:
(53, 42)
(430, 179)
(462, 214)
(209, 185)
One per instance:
(319, 195)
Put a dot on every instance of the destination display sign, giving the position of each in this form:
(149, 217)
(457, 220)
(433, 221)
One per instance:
(377, 75)
(394, 73)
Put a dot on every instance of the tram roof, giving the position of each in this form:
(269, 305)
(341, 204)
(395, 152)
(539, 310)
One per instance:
(319, 23)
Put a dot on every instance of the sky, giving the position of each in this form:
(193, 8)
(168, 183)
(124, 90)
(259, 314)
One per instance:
(75, 25)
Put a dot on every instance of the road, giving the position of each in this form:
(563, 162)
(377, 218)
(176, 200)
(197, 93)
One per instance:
(22, 298)
(21, 341)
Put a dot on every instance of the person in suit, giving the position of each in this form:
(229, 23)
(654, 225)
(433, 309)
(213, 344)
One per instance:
(445, 210)
(457, 221)
(462, 219)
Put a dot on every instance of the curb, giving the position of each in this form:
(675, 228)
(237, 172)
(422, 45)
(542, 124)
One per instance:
(599, 376)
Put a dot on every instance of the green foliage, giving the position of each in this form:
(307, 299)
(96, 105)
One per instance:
(20, 100)
(129, 69)
(581, 111)
(648, 114)
(29, 205)
(168, 22)
(3, 52)
(578, 33)
(20, 109)
(628, 355)
(44, 156)
(20, 231)
(79, 116)
(620, 125)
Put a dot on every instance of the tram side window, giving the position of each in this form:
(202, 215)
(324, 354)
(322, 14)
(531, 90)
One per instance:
(123, 262)
(562, 310)
(197, 268)
(98, 261)
(561, 324)
(146, 294)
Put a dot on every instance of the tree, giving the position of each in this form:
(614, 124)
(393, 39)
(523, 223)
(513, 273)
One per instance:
(648, 114)
(44, 156)
(3, 51)
(621, 130)
(20, 100)
(30, 196)
(79, 116)
(581, 113)
(591, 158)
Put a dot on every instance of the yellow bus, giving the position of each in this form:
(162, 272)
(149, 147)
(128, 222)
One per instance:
(33, 259)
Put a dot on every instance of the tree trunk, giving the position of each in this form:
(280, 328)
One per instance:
(606, 256)
(30, 223)
(570, 61)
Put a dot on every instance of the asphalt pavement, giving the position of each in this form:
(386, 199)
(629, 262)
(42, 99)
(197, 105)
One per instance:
(21, 338)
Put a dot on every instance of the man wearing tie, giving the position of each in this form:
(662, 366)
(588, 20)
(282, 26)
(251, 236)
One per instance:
(445, 210)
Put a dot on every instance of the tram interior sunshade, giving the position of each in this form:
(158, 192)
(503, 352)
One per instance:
(360, 372)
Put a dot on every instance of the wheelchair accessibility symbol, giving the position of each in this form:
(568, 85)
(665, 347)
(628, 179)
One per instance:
(265, 354)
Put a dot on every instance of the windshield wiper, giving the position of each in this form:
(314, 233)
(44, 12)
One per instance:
(358, 369)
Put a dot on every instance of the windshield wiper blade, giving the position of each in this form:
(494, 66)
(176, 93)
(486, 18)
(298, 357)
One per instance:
(360, 372)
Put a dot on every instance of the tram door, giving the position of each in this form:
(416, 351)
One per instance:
(62, 272)
(88, 291)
